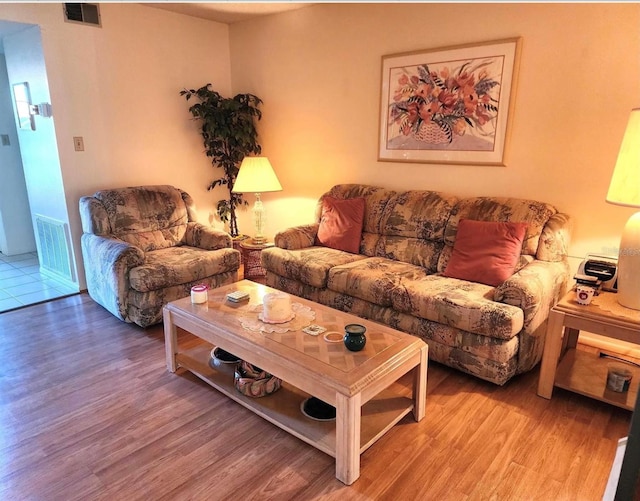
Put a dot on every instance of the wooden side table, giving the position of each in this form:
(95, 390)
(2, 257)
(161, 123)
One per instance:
(251, 253)
(236, 244)
(580, 371)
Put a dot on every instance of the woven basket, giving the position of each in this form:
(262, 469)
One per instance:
(432, 133)
(252, 381)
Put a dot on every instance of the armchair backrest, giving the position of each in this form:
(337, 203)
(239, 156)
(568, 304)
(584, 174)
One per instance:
(149, 217)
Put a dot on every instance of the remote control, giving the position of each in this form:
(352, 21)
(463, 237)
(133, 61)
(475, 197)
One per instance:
(237, 296)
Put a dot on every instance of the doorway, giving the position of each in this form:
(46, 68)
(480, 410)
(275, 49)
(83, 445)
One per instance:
(36, 262)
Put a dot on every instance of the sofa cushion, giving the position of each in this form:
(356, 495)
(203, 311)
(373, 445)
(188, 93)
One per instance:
(416, 251)
(376, 200)
(145, 308)
(149, 217)
(310, 265)
(468, 306)
(486, 251)
(180, 265)
(535, 214)
(341, 223)
(374, 279)
(417, 214)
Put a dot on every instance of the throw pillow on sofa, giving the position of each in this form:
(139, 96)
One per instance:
(341, 223)
(486, 251)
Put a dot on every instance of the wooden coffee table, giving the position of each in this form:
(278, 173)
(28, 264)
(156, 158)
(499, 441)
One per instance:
(355, 383)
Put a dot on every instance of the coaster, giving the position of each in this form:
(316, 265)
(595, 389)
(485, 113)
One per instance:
(314, 330)
(333, 337)
(318, 410)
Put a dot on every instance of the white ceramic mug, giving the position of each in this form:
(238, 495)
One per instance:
(584, 294)
(199, 294)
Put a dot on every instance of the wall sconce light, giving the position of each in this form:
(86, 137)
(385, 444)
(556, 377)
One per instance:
(42, 109)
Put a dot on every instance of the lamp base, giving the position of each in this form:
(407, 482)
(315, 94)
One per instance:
(258, 221)
(629, 264)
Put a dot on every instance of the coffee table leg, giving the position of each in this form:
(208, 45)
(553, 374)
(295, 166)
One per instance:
(170, 340)
(420, 385)
(348, 413)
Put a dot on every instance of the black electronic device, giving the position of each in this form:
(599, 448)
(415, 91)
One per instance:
(603, 268)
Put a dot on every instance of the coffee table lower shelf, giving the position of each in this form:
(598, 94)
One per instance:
(282, 408)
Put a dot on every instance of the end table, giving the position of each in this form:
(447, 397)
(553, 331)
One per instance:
(580, 371)
(251, 255)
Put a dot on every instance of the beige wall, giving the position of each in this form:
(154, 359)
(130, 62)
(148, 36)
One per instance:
(118, 87)
(318, 72)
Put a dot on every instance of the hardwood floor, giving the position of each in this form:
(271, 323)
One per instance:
(88, 411)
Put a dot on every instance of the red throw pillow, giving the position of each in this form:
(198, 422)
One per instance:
(341, 223)
(486, 251)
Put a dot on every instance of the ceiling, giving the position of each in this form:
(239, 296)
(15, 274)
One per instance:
(228, 12)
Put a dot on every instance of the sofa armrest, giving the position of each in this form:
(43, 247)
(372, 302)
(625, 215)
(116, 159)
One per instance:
(297, 237)
(107, 262)
(205, 237)
(535, 289)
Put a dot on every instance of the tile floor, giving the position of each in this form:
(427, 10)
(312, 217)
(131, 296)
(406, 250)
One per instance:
(22, 284)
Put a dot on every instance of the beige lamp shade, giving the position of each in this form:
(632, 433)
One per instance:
(625, 182)
(625, 190)
(256, 176)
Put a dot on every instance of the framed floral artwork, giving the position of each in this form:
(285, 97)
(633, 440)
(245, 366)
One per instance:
(450, 105)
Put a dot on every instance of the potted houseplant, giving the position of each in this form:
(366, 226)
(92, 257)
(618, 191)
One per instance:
(228, 128)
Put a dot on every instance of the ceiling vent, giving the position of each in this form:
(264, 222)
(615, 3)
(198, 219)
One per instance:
(83, 13)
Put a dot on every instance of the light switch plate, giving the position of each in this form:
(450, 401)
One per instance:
(5, 139)
(78, 143)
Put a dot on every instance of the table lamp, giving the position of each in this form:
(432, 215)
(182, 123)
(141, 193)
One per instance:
(257, 176)
(625, 190)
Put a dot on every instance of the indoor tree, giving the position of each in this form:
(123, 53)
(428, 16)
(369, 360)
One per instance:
(228, 128)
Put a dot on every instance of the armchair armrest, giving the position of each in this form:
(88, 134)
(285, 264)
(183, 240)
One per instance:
(535, 289)
(297, 237)
(107, 262)
(205, 237)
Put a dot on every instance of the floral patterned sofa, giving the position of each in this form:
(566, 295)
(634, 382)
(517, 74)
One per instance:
(492, 332)
(142, 249)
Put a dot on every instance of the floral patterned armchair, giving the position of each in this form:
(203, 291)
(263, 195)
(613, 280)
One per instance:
(142, 248)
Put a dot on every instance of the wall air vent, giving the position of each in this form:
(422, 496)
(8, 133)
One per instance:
(83, 13)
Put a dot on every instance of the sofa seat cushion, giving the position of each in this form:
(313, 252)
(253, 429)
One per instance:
(180, 265)
(309, 266)
(374, 279)
(467, 306)
(145, 308)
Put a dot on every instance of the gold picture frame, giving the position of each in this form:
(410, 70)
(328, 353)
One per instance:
(449, 105)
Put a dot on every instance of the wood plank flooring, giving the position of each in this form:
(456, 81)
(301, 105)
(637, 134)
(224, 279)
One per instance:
(88, 411)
